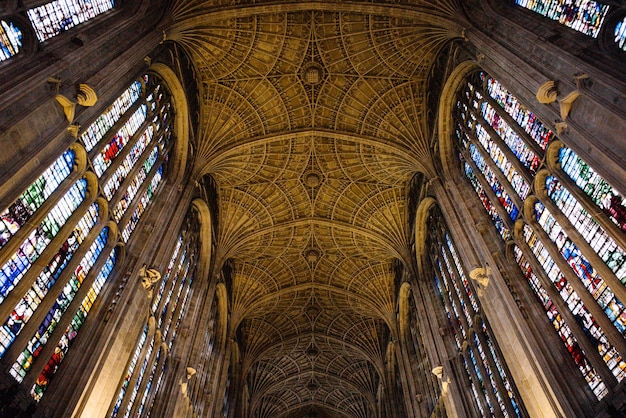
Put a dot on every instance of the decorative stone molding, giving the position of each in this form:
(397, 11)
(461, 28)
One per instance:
(481, 277)
(547, 92)
(565, 104)
(86, 97)
(438, 371)
(149, 277)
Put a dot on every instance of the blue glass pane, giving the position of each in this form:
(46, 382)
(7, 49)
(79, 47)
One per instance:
(585, 16)
(10, 40)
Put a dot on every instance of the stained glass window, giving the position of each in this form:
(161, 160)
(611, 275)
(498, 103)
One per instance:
(57, 16)
(58, 217)
(620, 34)
(47, 278)
(10, 40)
(169, 305)
(585, 16)
(577, 217)
(37, 241)
(78, 319)
(486, 373)
(16, 215)
(96, 131)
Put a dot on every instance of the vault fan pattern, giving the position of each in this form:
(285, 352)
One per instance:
(313, 122)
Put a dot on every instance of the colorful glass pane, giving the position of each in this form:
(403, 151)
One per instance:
(584, 318)
(620, 34)
(10, 40)
(133, 188)
(112, 149)
(461, 308)
(57, 16)
(71, 332)
(524, 118)
(599, 240)
(129, 373)
(129, 162)
(25, 309)
(585, 16)
(145, 199)
(96, 131)
(16, 215)
(36, 344)
(500, 225)
(601, 193)
(590, 278)
(19, 263)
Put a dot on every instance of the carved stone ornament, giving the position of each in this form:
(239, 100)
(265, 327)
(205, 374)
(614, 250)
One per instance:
(438, 371)
(547, 93)
(481, 277)
(565, 104)
(86, 96)
(149, 277)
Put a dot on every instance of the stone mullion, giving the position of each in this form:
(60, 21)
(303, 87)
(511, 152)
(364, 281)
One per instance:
(118, 125)
(498, 379)
(499, 142)
(459, 282)
(607, 274)
(153, 397)
(157, 348)
(444, 349)
(138, 365)
(486, 381)
(480, 333)
(528, 140)
(174, 311)
(600, 316)
(25, 283)
(46, 304)
(468, 329)
(69, 313)
(496, 170)
(591, 352)
(119, 160)
(144, 186)
(469, 367)
(504, 215)
(170, 285)
(34, 221)
(453, 289)
(585, 201)
(449, 304)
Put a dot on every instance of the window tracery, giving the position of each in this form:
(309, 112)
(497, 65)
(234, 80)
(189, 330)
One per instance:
(167, 310)
(585, 16)
(567, 237)
(493, 391)
(10, 40)
(57, 16)
(60, 219)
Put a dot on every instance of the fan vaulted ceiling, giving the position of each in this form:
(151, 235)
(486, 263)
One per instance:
(313, 121)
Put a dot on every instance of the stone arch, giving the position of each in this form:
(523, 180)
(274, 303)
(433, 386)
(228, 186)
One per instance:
(181, 120)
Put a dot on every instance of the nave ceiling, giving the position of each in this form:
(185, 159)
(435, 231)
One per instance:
(313, 122)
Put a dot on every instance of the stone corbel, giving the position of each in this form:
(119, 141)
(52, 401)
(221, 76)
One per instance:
(438, 371)
(548, 93)
(149, 277)
(565, 104)
(481, 276)
(86, 97)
